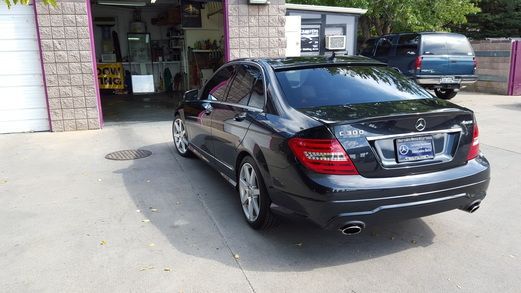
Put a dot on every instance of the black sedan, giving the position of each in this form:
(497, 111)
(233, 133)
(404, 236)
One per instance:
(344, 142)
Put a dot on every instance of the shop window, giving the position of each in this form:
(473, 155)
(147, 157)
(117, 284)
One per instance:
(215, 89)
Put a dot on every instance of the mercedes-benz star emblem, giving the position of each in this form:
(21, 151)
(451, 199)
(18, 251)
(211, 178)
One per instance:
(403, 150)
(420, 124)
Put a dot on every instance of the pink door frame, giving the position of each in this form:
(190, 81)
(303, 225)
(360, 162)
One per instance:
(94, 62)
(514, 80)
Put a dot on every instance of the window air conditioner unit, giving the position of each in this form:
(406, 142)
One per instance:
(335, 42)
(262, 2)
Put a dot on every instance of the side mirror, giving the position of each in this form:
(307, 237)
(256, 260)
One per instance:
(191, 95)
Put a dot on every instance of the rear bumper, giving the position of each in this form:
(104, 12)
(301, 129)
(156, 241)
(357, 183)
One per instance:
(435, 80)
(392, 201)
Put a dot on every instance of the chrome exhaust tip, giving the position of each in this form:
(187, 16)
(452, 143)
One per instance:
(352, 228)
(473, 207)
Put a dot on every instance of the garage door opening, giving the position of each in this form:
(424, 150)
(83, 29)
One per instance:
(150, 52)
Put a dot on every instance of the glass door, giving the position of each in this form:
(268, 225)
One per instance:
(140, 58)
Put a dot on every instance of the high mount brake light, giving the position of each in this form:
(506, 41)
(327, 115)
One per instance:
(324, 156)
(474, 148)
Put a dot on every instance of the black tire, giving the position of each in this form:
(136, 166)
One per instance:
(184, 152)
(445, 94)
(265, 218)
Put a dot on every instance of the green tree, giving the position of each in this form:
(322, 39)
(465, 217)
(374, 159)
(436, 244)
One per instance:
(498, 18)
(387, 16)
(25, 2)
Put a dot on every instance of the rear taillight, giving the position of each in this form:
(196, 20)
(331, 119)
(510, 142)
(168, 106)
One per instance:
(474, 148)
(418, 63)
(324, 156)
(475, 61)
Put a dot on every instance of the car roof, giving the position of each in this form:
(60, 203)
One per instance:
(316, 61)
(420, 33)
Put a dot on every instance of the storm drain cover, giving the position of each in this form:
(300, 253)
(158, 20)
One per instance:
(128, 155)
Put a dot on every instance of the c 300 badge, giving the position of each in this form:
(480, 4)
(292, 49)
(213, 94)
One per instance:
(350, 133)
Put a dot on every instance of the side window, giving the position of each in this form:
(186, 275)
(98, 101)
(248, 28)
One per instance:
(408, 45)
(368, 48)
(384, 48)
(215, 89)
(241, 86)
(257, 93)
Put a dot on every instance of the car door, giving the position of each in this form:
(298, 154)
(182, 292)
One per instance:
(231, 120)
(434, 58)
(461, 55)
(198, 112)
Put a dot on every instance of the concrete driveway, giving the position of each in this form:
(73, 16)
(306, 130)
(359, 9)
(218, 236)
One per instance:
(71, 221)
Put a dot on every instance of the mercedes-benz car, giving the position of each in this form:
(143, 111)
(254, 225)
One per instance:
(345, 142)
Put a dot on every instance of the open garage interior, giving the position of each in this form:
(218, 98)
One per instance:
(150, 52)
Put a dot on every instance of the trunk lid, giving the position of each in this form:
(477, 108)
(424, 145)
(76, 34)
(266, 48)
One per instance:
(372, 133)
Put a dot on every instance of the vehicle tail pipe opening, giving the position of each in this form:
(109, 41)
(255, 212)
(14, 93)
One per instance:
(352, 228)
(473, 207)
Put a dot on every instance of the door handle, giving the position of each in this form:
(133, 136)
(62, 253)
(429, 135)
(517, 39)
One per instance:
(240, 116)
(208, 110)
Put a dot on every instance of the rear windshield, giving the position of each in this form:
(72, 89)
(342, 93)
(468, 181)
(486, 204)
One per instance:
(345, 85)
(446, 45)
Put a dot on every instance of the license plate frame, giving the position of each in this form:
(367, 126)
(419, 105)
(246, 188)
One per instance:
(449, 80)
(414, 149)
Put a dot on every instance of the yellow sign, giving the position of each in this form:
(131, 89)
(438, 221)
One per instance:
(111, 76)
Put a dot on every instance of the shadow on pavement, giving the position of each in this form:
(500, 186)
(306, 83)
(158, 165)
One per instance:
(196, 207)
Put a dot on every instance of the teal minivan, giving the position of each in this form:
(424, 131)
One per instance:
(443, 62)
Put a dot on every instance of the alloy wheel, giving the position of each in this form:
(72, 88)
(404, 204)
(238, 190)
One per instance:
(180, 136)
(249, 192)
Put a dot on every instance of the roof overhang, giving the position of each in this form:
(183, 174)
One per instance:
(332, 9)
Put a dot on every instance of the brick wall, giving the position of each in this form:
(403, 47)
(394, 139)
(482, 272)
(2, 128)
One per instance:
(67, 58)
(493, 66)
(256, 30)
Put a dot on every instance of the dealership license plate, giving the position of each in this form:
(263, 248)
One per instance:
(449, 79)
(414, 149)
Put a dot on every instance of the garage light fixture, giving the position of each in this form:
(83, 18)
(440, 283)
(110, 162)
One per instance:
(122, 3)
